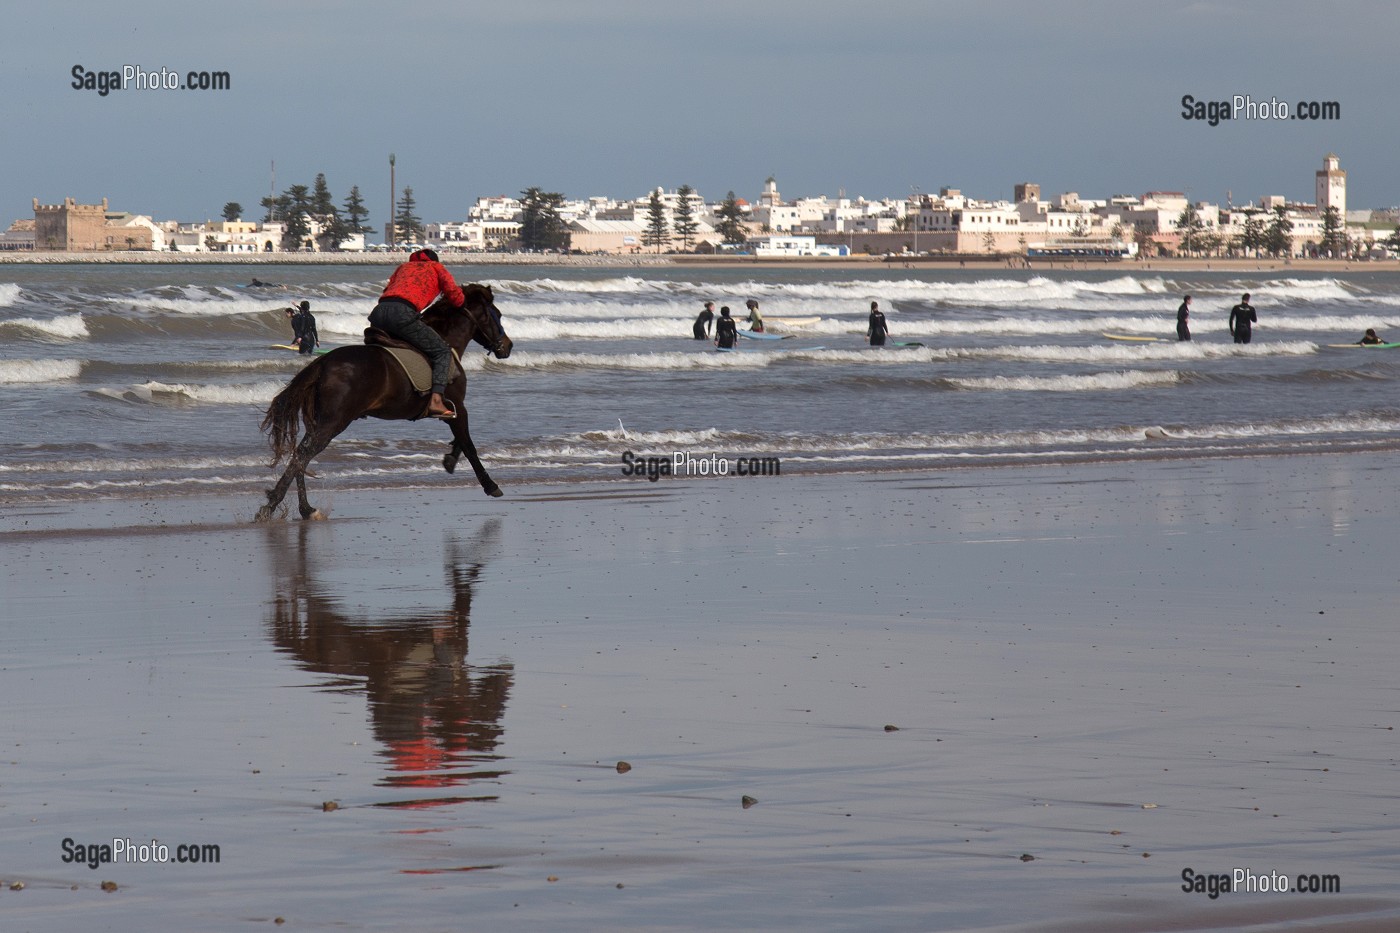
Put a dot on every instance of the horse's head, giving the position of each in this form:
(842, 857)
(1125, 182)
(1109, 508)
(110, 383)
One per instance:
(489, 331)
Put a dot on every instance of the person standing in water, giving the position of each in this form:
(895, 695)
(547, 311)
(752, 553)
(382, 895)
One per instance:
(702, 323)
(726, 330)
(755, 319)
(1242, 318)
(1183, 314)
(878, 329)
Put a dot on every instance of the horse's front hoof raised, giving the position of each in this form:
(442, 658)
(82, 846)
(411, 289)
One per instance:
(449, 462)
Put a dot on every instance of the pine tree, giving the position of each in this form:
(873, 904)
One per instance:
(232, 211)
(731, 220)
(541, 227)
(658, 232)
(297, 201)
(354, 211)
(1333, 236)
(409, 223)
(686, 225)
(322, 207)
(1277, 239)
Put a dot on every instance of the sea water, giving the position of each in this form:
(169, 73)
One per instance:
(143, 380)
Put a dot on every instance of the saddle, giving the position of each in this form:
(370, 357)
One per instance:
(414, 361)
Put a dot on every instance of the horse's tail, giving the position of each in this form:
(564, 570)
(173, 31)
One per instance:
(293, 407)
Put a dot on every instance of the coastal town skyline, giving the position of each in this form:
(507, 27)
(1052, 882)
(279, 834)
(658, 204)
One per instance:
(615, 98)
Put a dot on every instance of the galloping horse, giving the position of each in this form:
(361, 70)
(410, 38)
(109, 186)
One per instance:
(358, 381)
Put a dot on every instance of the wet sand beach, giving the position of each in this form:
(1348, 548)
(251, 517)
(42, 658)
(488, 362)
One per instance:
(980, 699)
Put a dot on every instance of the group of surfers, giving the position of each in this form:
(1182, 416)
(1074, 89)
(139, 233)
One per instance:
(1243, 317)
(726, 328)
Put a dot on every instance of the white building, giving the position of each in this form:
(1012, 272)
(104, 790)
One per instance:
(792, 246)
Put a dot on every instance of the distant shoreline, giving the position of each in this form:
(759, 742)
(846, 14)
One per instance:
(990, 263)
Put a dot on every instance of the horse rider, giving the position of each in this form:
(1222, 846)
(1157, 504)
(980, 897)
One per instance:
(412, 288)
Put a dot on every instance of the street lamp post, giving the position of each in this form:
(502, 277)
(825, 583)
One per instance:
(392, 222)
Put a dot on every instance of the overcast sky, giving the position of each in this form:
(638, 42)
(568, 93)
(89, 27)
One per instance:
(616, 97)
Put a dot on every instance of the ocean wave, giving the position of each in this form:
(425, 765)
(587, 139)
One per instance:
(70, 327)
(1092, 382)
(14, 372)
(259, 393)
(1128, 353)
(9, 293)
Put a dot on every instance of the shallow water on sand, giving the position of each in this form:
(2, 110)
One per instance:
(1057, 651)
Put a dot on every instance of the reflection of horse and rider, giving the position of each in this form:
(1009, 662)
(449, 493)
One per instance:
(422, 308)
(437, 716)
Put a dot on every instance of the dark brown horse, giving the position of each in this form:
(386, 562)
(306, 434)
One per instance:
(358, 381)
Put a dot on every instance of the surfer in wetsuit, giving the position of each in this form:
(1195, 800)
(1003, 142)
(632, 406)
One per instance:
(726, 330)
(304, 329)
(412, 287)
(703, 322)
(1183, 313)
(1370, 338)
(878, 328)
(1242, 316)
(755, 319)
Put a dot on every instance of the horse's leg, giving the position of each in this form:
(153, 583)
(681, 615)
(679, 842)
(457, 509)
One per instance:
(449, 459)
(462, 444)
(277, 493)
(312, 443)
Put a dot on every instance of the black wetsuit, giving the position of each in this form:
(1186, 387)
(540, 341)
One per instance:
(702, 324)
(726, 332)
(304, 332)
(1241, 317)
(1183, 332)
(878, 328)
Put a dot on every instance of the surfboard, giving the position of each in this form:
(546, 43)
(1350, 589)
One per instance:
(287, 346)
(765, 349)
(1364, 346)
(906, 343)
(752, 336)
(1132, 338)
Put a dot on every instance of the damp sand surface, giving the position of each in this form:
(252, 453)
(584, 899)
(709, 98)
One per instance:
(991, 699)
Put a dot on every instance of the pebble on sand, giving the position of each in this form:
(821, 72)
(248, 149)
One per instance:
(330, 805)
(623, 767)
(748, 801)
(109, 885)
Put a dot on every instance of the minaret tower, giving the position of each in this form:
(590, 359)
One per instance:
(1332, 186)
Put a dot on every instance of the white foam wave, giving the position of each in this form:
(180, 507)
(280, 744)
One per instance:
(9, 293)
(1093, 382)
(13, 372)
(257, 393)
(1121, 353)
(608, 445)
(69, 327)
(664, 360)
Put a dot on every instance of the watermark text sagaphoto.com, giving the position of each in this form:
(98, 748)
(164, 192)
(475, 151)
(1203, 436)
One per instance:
(1245, 107)
(126, 852)
(684, 463)
(134, 77)
(1246, 881)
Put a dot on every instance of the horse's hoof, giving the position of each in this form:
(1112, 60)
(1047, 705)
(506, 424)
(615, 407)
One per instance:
(316, 515)
(495, 492)
(264, 514)
(449, 462)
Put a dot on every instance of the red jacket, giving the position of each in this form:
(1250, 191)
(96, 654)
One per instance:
(420, 280)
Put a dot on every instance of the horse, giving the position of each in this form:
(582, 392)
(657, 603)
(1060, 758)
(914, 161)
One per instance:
(354, 382)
